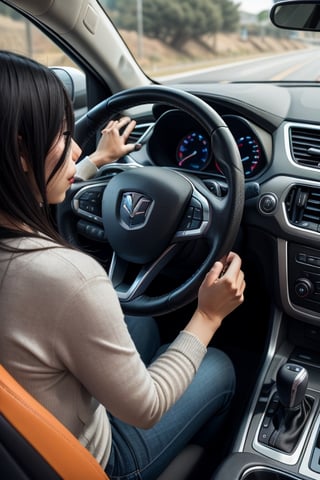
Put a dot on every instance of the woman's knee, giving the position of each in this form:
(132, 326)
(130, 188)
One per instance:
(217, 374)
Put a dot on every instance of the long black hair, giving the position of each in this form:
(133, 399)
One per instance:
(34, 108)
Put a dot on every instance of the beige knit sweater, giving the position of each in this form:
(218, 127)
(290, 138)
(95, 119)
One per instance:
(64, 338)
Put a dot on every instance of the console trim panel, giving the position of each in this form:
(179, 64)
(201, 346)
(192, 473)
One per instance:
(274, 454)
(304, 468)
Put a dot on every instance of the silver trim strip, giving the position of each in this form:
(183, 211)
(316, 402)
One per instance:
(304, 468)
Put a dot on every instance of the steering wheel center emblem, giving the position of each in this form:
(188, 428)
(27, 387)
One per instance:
(135, 209)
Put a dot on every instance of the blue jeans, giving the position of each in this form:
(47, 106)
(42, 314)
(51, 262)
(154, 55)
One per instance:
(196, 417)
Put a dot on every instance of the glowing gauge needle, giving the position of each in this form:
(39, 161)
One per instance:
(187, 157)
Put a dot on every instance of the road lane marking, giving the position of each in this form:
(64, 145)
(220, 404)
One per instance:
(288, 71)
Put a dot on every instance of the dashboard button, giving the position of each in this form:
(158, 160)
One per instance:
(268, 203)
(303, 287)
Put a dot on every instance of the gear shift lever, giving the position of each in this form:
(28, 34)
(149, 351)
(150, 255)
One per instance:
(292, 382)
(294, 407)
(288, 409)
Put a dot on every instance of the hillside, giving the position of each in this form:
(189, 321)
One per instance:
(156, 58)
(160, 59)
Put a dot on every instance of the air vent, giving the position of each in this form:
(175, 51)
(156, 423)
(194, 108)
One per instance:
(138, 132)
(303, 207)
(305, 146)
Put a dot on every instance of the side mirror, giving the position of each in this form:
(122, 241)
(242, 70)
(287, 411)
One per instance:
(296, 15)
(74, 81)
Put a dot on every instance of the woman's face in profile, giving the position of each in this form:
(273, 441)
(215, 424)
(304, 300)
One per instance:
(64, 177)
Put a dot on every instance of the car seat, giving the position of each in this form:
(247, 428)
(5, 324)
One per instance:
(34, 445)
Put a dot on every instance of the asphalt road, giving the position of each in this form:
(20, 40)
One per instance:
(292, 66)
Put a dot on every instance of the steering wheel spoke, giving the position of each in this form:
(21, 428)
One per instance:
(128, 288)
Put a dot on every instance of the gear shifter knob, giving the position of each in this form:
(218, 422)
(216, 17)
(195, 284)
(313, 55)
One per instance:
(292, 382)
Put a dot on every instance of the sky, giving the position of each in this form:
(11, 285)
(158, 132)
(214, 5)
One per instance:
(255, 6)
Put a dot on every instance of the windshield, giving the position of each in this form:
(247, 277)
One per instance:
(214, 41)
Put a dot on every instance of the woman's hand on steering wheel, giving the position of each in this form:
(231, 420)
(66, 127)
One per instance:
(113, 142)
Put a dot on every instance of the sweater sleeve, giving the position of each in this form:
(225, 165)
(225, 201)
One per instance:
(86, 169)
(93, 342)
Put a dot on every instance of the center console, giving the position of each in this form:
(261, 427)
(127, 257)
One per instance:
(256, 455)
(294, 339)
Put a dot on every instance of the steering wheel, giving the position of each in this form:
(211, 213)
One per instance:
(147, 214)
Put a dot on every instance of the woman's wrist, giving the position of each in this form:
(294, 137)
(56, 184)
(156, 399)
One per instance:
(202, 326)
(99, 159)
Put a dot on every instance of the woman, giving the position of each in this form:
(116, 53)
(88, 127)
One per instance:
(62, 332)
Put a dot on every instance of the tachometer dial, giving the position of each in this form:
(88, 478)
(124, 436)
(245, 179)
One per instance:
(250, 153)
(193, 151)
(250, 148)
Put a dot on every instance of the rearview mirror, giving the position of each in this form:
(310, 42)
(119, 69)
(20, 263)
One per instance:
(296, 15)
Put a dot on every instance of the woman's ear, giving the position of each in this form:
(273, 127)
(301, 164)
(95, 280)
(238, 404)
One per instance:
(24, 164)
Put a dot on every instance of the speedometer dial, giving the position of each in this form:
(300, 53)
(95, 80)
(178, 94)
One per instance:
(193, 151)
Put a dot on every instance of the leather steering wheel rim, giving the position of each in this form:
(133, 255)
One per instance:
(224, 216)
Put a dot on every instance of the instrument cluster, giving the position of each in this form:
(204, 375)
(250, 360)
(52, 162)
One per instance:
(179, 141)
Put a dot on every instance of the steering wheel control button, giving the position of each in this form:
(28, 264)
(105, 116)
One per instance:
(193, 217)
(268, 203)
(87, 203)
(91, 202)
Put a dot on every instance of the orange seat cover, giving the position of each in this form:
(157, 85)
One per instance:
(54, 442)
